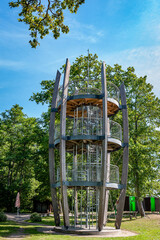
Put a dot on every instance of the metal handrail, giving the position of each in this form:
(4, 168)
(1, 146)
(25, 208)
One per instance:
(83, 86)
(90, 172)
(81, 126)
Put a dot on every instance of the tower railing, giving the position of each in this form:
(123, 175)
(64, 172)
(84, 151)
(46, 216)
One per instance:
(92, 126)
(83, 87)
(90, 172)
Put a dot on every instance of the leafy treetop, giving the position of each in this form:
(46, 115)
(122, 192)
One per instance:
(43, 18)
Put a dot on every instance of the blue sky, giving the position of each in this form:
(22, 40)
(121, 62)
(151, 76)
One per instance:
(126, 32)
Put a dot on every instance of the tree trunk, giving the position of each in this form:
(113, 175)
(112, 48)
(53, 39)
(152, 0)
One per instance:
(140, 208)
(139, 199)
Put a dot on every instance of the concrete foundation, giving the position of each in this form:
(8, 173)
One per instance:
(106, 232)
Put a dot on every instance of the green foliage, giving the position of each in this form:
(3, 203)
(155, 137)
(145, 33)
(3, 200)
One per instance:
(144, 121)
(35, 217)
(43, 18)
(21, 162)
(45, 96)
(78, 71)
(3, 217)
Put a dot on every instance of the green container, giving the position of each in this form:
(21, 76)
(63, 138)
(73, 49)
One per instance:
(153, 205)
(132, 203)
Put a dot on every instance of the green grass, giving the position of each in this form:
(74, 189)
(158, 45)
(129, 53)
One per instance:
(45, 220)
(49, 220)
(7, 228)
(148, 228)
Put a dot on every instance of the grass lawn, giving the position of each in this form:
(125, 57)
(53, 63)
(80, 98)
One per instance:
(148, 228)
(7, 228)
(46, 220)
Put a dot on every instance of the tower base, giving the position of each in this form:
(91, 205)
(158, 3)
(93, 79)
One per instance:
(106, 232)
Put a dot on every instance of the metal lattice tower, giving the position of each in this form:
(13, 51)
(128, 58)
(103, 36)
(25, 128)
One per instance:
(85, 137)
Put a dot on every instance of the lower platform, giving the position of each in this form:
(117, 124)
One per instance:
(113, 143)
(106, 232)
(79, 184)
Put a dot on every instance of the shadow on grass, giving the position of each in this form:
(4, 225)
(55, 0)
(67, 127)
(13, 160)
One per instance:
(33, 230)
(42, 232)
(7, 228)
(123, 220)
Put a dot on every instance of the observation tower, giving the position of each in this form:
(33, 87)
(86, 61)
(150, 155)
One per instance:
(84, 138)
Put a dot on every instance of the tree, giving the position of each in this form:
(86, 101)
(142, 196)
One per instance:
(144, 121)
(79, 70)
(42, 18)
(41, 164)
(19, 147)
(144, 112)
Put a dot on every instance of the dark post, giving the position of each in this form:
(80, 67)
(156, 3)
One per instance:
(51, 150)
(63, 146)
(121, 202)
(102, 197)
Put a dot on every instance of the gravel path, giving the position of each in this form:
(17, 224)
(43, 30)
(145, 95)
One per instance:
(20, 218)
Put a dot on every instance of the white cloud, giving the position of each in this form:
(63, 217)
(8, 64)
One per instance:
(149, 24)
(145, 60)
(11, 64)
(83, 32)
(12, 34)
(112, 7)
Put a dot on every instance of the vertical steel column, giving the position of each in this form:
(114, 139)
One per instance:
(65, 207)
(107, 179)
(87, 188)
(74, 174)
(107, 191)
(120, 205)
(51, 150)
(104, 151)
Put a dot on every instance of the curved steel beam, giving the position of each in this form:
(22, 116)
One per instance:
(51, 151)
(65, 207)
(121, 200)
(102, 198)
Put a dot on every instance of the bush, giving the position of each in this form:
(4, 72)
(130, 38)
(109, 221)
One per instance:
(35, 217)
(3, 217)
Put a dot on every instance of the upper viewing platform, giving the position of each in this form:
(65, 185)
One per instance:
(89, 92)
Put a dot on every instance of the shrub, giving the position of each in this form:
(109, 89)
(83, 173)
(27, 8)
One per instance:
(35, 217)
(3, 217)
